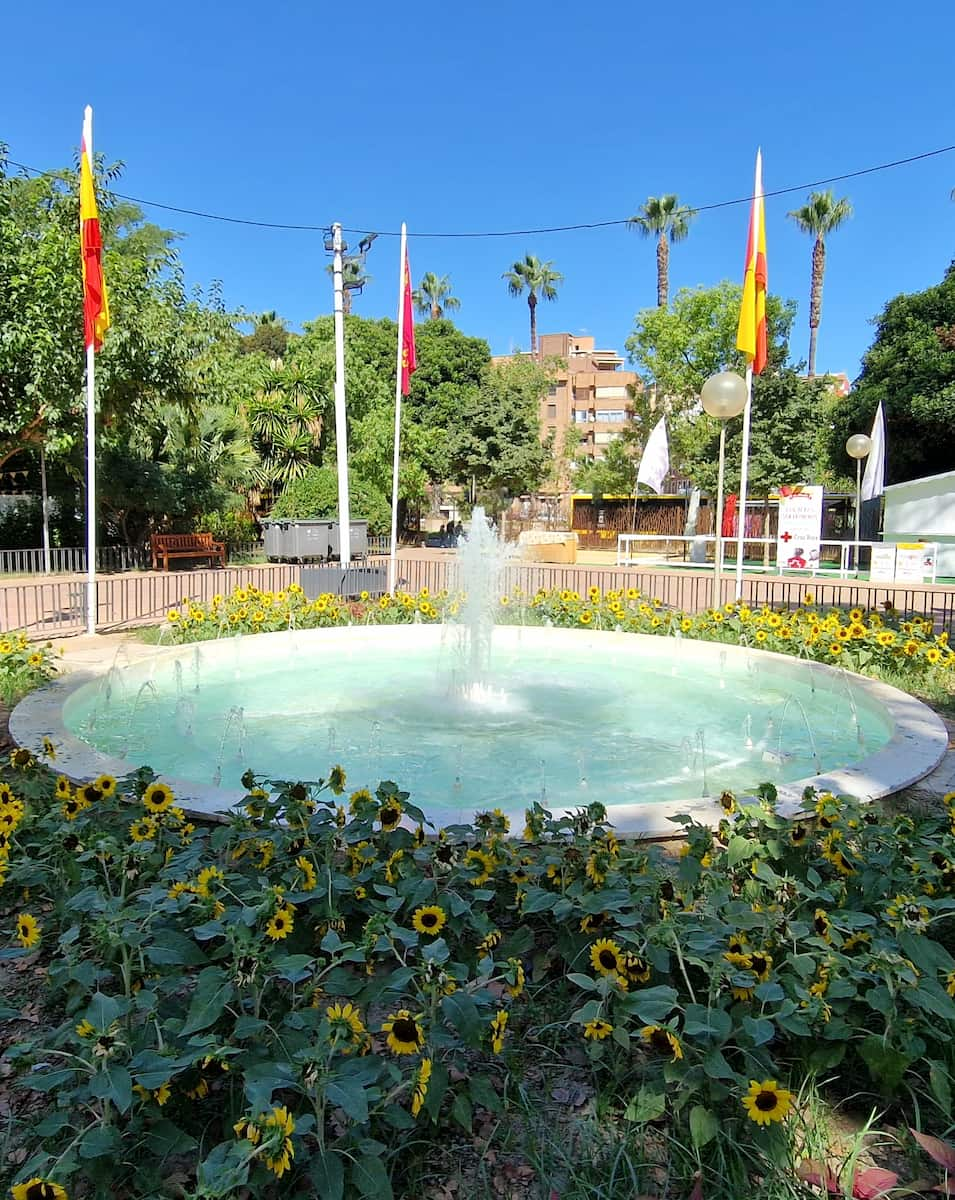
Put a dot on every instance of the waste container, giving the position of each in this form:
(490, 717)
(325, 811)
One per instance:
(359, 539)
(298, 541)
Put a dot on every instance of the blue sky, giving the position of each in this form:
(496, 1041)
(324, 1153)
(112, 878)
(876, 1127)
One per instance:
(495, 116)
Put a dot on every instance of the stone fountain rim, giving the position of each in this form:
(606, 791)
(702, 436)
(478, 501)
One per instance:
(918, 742)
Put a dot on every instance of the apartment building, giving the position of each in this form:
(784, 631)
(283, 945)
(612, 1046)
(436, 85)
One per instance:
(590, 394)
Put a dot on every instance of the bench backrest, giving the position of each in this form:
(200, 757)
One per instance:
(180, 541)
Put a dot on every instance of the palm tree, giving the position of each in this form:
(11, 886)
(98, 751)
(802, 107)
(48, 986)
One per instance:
(354, 278)
(540, 280)
(666, 219)
(822, 214)
(433, 295)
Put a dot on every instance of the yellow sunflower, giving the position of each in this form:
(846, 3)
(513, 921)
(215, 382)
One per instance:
(420, 1091)
(405, 1035)
(142, 830)
(430, 920)
(28, 930)
(105, 785)
(38, 1188)
(597, 1030)
(157, 798)
(498, 1025)
(767, 1102)
(662, 1041)
(309, 875)
(281, 923)
(607, 957)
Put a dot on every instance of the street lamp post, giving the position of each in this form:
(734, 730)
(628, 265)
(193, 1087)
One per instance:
(724, 397)
(858, 447)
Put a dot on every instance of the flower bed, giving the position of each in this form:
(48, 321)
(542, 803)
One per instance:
(877, 642)
(24, 665)
(316, 996)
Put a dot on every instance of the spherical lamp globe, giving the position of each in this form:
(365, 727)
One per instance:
(724, 395)
(858, 446)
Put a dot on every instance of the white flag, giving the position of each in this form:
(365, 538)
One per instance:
(873, 481)
(656, 458)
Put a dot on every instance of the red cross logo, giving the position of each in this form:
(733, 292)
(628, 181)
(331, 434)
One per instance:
(786, 537)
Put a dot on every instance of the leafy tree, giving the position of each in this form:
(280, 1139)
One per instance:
(666, 219)
(433, 296)
(270, 337)
(539, 279)
(613, 475)
(496, 442)
(821, 215)
(677, 349)
(910, 369)
(286, 418)
(315, 495)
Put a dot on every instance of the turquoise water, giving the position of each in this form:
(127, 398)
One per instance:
(590, 720)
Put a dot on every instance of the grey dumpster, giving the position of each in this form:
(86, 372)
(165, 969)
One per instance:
(298, 541)
(359, 539)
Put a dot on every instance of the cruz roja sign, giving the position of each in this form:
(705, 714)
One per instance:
(800, 528)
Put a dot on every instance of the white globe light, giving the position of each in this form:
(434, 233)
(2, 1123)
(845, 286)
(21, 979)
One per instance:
(724, 395)
(858, 446)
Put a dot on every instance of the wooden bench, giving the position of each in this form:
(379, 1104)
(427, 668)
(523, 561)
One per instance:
(165, 546)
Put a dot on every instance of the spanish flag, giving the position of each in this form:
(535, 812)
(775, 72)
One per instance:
(409, 356)
(751, 331)
(95, 300)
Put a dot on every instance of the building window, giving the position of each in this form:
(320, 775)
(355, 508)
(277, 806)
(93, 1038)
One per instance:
(613, 415)
(552, 390)
(552, 411)
(581, 416)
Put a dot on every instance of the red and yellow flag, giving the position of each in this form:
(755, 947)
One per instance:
(409, 357)
(751, 331)
(95, 300)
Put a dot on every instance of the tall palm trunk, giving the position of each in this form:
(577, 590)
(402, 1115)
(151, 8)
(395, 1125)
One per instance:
(815, 299)
(346, 302)
(663, 271)
(435, 310)
(532, 305)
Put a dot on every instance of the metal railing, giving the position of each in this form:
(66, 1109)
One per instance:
(71, 560)
(55, 607)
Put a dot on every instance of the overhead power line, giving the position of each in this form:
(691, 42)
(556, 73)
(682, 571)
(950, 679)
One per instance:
(505, 233)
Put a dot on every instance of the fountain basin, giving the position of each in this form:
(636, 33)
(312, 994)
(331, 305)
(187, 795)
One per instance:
(649, 726)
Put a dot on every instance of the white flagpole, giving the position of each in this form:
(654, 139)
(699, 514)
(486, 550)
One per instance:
(393, 559)
(45, 501)
(90, 437)
(743, 481)
(341, 428)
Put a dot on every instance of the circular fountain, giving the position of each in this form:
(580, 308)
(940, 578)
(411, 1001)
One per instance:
(471, 716)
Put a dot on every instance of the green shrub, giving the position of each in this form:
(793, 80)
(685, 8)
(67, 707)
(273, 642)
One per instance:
(309, 997)
(315, 496)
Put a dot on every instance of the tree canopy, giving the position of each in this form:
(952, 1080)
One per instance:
(910, 370)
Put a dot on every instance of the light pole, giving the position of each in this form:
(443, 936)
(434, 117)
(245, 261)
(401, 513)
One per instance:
(858, 447)
(724, 397)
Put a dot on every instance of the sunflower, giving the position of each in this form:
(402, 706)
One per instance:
(761, 965)
(586, 617)
(85, 1029)
(389, 815)
(593, 922)
(422, 1077)
(761, 635)
(515, 977)
(28, 930)
(157, 798)
(635, 968)
(346, 1025)
(309, 875)
(662, 1041)
(38, 1188)
(597, 1030)
(906, 913)
(203, 880)
(950, 983)
(143, 830)
(820, 925)
(336, 779)
(607, 957)
(405, 1035)
(767, 1102)
(431, 919)
(798, 834)
(105, 785)
(21, 758)
(728, 803)
(737, 943)
(497, 1027)
(487, 944)
(277, 1129)
(281, 923)
(487, 862)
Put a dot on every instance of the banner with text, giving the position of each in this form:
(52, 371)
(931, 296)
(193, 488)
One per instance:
(800, 528)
